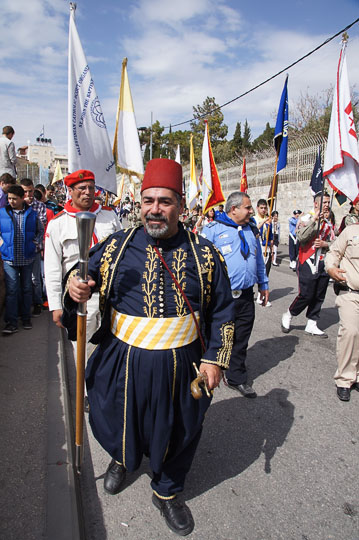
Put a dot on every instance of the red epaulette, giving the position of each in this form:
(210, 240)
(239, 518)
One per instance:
(106, 208)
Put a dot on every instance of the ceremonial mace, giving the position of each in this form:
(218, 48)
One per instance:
(85, 222)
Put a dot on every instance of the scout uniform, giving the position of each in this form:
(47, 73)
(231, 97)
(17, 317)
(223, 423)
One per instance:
(344, 253)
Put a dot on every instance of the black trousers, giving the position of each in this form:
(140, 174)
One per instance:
(312, 290)
(244, 320)
(293, 249)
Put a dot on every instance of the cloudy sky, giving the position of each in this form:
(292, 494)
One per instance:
(178, 53)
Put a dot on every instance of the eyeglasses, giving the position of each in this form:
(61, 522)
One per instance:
(82, 189)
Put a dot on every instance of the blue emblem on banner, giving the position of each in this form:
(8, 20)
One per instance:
(96, 113)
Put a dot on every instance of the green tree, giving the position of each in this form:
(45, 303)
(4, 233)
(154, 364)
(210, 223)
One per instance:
(217, 128)
(246, 138)
(172, 140)
(237, 141)
(265, 140)
(157, 143)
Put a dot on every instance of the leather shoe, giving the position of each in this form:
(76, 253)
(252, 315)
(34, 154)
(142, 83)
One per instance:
(245, 389)
(176, 513)
(343, 393)
(355, 386)
(114, 478)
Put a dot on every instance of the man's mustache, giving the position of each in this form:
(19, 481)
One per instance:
(156, 217)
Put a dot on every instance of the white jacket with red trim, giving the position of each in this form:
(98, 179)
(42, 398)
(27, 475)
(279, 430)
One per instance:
(62, 249)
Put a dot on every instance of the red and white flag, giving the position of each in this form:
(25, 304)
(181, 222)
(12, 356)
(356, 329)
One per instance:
(341, 163)
(244, 184)
(211, 185)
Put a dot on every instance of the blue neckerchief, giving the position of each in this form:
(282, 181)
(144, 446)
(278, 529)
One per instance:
(228, 221)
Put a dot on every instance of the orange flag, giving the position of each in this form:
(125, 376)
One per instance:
(244, 183)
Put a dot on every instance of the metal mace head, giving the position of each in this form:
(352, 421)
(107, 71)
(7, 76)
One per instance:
(85, 222)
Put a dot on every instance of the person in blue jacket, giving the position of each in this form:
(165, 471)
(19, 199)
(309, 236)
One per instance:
(236, 236)
(292, 241)
(21, 231)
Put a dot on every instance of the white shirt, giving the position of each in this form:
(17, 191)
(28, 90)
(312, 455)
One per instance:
(62, 249)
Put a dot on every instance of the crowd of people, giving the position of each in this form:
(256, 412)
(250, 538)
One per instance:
(170, 298)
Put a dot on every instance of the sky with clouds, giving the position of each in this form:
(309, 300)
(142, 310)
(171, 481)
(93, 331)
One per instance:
(178, 54)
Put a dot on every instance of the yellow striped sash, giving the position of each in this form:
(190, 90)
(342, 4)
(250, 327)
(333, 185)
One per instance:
(154, 333)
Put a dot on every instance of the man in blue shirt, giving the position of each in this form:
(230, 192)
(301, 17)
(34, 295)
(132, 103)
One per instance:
(236, 236)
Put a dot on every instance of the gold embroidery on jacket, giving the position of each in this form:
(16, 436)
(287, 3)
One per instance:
(224, 352)
(207, 267)
(105, 264)
(178, 269)
(149, 286)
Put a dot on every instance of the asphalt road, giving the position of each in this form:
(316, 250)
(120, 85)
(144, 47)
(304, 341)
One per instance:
(282, 466)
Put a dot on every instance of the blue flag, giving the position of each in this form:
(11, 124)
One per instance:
(281, 129)
(316, 183)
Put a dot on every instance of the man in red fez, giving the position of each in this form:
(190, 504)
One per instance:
(61, 244)
(162, 320)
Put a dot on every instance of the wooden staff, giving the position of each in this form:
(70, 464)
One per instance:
(273, 195)
(85, 222)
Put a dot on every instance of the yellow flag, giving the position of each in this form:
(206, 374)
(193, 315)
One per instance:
(126, 146)
(57, 174)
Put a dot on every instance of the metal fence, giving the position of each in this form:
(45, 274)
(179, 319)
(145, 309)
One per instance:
(302, 153)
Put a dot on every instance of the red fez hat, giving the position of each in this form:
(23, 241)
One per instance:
(78, 176)
(164, 173)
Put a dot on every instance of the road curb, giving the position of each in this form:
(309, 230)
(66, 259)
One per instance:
(64, 503)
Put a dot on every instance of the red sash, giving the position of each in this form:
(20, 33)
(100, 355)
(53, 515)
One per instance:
(308, 249)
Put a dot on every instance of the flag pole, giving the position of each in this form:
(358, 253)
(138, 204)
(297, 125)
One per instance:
(274, 183)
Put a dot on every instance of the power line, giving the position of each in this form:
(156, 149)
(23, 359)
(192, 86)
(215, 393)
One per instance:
(270, 78)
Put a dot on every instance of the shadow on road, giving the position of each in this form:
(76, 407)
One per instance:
(328, 317)
(276, 294)
(237, 432)
(267, 353)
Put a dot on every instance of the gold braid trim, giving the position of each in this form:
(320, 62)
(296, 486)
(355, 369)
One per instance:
(173, 391)
(199, 273)
(73, 273)
(125, 411)
(107, 260)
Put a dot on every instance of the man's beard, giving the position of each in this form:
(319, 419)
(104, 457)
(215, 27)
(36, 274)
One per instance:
(157, 231)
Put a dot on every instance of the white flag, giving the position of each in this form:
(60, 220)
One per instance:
(126, 146)
(194, 188)
(88, 142)
(178, 154)
(341, 164)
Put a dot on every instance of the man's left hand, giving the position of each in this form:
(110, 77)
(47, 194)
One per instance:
(213, 373)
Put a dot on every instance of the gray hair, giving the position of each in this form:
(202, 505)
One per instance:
(235, 199)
